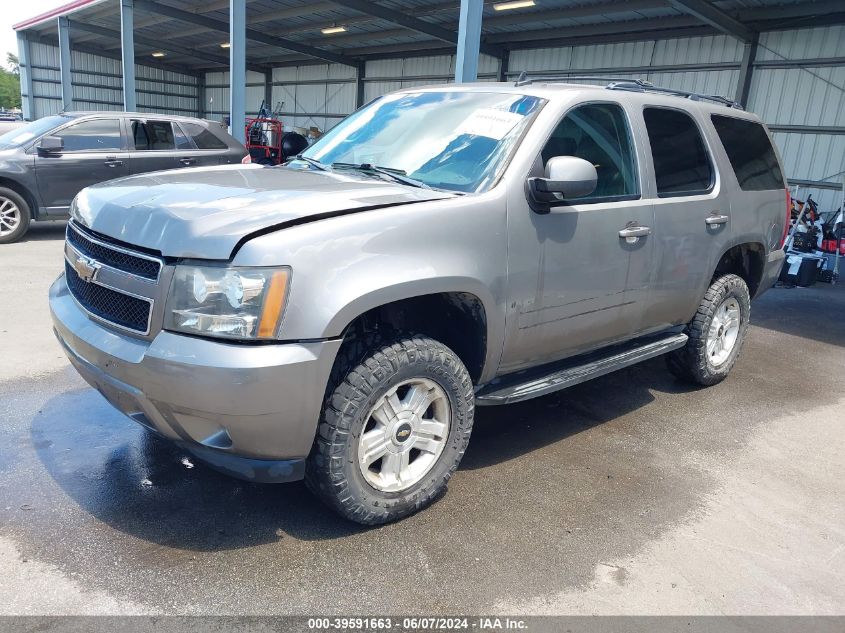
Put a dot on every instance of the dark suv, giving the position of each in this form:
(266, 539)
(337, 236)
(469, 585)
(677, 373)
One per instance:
(44, 164)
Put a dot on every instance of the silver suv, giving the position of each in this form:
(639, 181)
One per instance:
(338, 318)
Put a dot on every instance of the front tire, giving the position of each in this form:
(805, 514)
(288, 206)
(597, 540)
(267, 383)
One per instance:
(15, 216)
(716, 333)
(393, 431)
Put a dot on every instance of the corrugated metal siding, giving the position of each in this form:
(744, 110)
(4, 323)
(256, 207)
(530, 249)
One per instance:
(822, 41)
(97, 85)
(320, 95)
(807, 95)
(387, 75)
(692, 50)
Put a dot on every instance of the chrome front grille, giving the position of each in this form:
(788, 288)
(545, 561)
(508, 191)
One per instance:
(126, 311)
(112, 283)
(113, 255)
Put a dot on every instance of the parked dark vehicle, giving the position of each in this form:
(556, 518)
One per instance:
(44, 164)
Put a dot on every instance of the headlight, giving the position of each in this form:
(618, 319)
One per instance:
(240, 303)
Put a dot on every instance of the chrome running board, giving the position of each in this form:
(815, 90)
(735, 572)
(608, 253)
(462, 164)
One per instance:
(539, 381)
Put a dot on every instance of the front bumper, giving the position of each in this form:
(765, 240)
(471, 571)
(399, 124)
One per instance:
(250, 410)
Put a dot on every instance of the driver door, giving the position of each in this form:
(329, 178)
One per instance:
(576, 284)
(93, 152)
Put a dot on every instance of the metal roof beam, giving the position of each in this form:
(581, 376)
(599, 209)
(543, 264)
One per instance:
(585, 11)
(604, 28)
(715, 17)
(252, 34)
(790, 11)
(159, 45)
(414, 24)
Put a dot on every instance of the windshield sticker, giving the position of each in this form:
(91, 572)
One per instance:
(490, 123)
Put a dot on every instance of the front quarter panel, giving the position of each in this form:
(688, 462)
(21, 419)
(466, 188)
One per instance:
(19, 166)
(345, 266)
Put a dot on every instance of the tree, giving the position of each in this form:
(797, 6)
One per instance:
(10, 84)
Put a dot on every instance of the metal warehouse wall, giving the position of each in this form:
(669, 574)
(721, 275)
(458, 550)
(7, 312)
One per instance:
(805, 106)
(97, 85)
(386, 75)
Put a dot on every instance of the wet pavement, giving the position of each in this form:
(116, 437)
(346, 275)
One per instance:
(596, 499)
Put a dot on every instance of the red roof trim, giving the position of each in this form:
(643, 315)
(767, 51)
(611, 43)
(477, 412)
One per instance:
(58, 11)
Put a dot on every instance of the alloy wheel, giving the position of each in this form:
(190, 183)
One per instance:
(404, 435)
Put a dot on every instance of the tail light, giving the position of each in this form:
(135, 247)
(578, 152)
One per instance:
(246, 160)
(788, 218)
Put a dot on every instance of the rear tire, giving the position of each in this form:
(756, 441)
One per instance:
(15, 216)
(393, 431)
(716, 333)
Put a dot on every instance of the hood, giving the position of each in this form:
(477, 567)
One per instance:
(207, 212)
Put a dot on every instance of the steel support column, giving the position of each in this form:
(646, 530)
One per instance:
(504, 66)
(268, 88)
(360, 73)
(202, 97)
(746, 70)
(25, 70)
(469, 40)
(237, 68)
(127, 53)
(64, 63)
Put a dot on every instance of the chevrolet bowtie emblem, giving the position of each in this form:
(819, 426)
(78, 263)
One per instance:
(86, 268)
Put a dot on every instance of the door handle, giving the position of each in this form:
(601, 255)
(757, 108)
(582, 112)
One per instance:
(113, 162)
(187, 161)
(635, 231)
(715, 219)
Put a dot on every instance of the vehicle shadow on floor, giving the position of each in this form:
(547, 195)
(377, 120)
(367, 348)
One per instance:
(809, 313)
(149, 488)
(502, 433)
(45, 231)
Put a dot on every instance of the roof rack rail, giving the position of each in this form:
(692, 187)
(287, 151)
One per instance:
(632, 85)
(637, 86)
(524, 79)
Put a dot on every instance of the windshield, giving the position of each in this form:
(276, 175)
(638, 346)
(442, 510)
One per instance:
(447, 139)
(26, 133)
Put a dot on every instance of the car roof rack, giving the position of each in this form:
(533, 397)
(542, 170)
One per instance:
(524, 79)
(631, 85)
(640, 86)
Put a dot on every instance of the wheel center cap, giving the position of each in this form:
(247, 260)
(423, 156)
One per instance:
(402, 433)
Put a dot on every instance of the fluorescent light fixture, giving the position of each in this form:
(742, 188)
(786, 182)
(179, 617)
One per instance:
(331, 30)
(517, 4)
(159, 54)
(225, 45)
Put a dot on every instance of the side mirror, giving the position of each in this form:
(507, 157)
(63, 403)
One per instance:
(566, 177)
(50, 145)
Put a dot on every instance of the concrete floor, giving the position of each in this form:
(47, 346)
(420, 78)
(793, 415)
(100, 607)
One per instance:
(629, 494)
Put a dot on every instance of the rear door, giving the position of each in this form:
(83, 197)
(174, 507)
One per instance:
(153, 146)
(211, 150)
(692, 215)
(757, 209)
(94, 151)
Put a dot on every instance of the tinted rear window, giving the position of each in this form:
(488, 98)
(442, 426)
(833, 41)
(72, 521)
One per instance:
(203, 137)
(153, 135)
(751, 153)
(681, 164)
